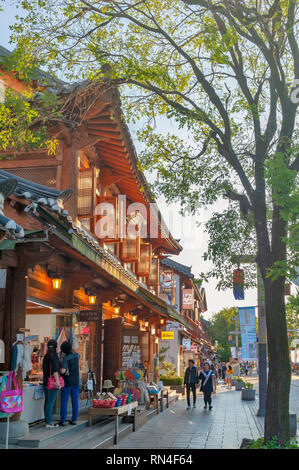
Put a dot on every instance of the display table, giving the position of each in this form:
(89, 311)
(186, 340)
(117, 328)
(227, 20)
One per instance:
(33, 409)
(158, 397)
(120, 410)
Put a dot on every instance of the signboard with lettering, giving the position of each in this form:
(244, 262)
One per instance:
(248, 333)
(186, 344)
(188, 299)
(167, 335)
(88, 315)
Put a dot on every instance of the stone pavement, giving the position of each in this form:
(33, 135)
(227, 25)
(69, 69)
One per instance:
(230, 420)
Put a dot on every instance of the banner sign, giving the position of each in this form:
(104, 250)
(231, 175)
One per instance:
(193, 348)
(248, 333)
(188, 299)
(186, 343)
(167, 335)
(233, 351)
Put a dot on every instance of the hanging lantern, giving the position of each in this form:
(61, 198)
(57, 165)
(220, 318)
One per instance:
(56, 283)
(238, 284)
(116, 310)
(134, 317)
(92, 299)
(162, 321)
(146, 323)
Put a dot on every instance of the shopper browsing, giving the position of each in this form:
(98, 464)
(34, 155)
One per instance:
(50, 368)
(70, 372)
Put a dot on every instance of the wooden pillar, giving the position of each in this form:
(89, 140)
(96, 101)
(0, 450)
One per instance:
(99, 347)
(70, 176)
(15, 315)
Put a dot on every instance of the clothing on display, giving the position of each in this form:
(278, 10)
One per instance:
(2, 352)
(21, 357)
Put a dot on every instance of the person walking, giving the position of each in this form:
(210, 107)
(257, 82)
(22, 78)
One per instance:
(70, 372)
(246, 368)
(229, 373)
(207, 378)
(191, 380)
(50, 368)
(223, 372)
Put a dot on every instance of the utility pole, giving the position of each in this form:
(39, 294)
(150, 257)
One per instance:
(236, 333)
(262, 335)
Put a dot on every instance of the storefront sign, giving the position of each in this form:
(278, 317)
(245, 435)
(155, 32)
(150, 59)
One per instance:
(193, 348)
(167, 335)
(188, 299)
(186, 344)
(88, 315)
(248, 333)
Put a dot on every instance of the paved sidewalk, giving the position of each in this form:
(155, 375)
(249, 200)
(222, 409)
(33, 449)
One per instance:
(230, 420)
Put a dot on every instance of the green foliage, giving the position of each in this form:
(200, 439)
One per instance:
(221, 324)
(248, 385)
(272, 444)
(168, 369)
(292, 314)
(171, 380)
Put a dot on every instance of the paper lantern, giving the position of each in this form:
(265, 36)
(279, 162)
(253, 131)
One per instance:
(238, 284)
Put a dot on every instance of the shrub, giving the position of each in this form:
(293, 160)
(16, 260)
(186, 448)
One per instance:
(171, 380)
(248, 385)
(259, 444)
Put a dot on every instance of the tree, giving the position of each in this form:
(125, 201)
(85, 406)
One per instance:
(24, 113)
(221, 324)
(226, 73)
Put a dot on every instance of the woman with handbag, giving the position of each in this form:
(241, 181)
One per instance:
(51, 381)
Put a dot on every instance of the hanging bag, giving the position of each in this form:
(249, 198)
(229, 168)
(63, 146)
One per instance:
(11, 401)
(52, 382)
(3, 385)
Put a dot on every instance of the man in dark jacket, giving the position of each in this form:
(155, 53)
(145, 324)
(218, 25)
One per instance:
(191, 380)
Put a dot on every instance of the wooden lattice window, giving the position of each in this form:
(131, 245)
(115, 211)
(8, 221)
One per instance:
(153, 279)
(86, 192)
(130, 250)
(144, 263)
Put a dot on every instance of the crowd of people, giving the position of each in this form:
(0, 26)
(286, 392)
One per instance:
(206, 375)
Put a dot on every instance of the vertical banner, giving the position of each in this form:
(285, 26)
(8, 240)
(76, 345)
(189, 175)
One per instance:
(248, 333)
(188, 299)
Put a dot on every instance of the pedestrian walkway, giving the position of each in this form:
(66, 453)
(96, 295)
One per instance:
(230, 420)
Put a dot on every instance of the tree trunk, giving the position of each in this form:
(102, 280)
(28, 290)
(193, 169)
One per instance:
(277, 404)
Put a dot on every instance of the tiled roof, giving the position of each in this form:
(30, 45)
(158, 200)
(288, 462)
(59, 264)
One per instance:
(32, 192)
(186, 270)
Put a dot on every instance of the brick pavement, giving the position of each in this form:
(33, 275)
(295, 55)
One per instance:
(230, 420)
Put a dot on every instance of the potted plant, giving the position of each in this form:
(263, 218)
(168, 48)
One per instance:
(248, 392)
(239, 384)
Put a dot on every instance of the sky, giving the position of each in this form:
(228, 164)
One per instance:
(192, 237)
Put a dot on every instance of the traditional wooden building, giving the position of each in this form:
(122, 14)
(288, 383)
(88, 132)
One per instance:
(179, 288)
(82, 240)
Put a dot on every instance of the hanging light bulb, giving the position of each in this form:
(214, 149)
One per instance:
(146, 323)
(92, 299)
(162, 321)
(56, 282)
